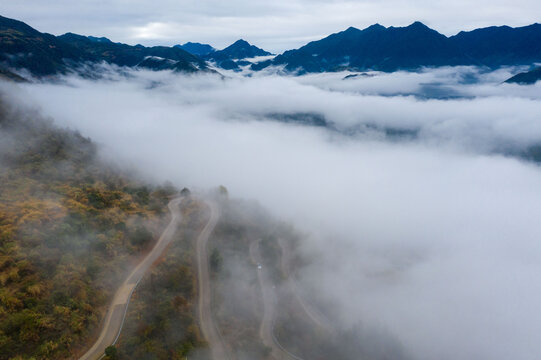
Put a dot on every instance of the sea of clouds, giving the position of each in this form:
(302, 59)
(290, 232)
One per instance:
(432, 235)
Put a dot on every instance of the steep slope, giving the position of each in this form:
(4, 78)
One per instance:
(69, 228)
(526, 78)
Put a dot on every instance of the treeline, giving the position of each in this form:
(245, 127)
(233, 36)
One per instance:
(70, 227)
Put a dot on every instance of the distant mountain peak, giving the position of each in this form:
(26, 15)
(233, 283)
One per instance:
(196, 48)
(235, 55)
(241, 42)
(99, 39)
(240, 49)
(412, 47)
(418, 25)
(375, 26)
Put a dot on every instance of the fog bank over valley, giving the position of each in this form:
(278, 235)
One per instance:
(418, 193)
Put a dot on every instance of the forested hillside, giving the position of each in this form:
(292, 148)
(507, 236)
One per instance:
(161, 320)
(70, 227)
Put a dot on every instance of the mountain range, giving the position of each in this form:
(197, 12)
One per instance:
(375, 48)
(404, 48)
(22, 47)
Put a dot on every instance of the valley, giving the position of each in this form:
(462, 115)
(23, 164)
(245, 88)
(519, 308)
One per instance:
(171, 191)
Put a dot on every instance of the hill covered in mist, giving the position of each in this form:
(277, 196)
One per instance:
(70, 226)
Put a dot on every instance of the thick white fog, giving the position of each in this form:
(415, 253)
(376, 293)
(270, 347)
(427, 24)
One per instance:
(432, 235)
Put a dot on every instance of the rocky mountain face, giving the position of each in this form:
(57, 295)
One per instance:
(374, 48)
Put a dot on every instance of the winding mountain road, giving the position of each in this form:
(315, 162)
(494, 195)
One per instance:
(266, 329)
(316, 316)
(117, 311)
(208, 327)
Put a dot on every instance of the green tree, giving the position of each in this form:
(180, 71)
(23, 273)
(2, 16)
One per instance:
(223, 191)
(216, 260)
(141, 237)
(111, 352)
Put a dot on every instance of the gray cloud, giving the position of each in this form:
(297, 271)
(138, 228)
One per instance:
(276, 25)
(435, 240)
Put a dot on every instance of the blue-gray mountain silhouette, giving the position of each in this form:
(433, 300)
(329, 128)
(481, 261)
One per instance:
(22, 47)
(526, 78)
(374, 48)
(411, 47)
(197, 48)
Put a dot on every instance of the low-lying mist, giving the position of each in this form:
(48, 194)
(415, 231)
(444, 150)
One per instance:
(420, 208)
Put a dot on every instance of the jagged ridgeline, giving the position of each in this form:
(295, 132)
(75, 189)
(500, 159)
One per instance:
(70, 226)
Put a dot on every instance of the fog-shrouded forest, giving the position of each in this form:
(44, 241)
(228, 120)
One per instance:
(283, 180)
(362, 215)
(70, 226)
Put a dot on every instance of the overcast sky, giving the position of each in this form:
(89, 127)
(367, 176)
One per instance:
(274, 25)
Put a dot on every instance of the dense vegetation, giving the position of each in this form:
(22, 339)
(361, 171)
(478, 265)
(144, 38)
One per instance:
(160, 323)
(69, 228)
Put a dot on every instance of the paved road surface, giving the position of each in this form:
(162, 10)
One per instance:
(117, 311)
(208, 327)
